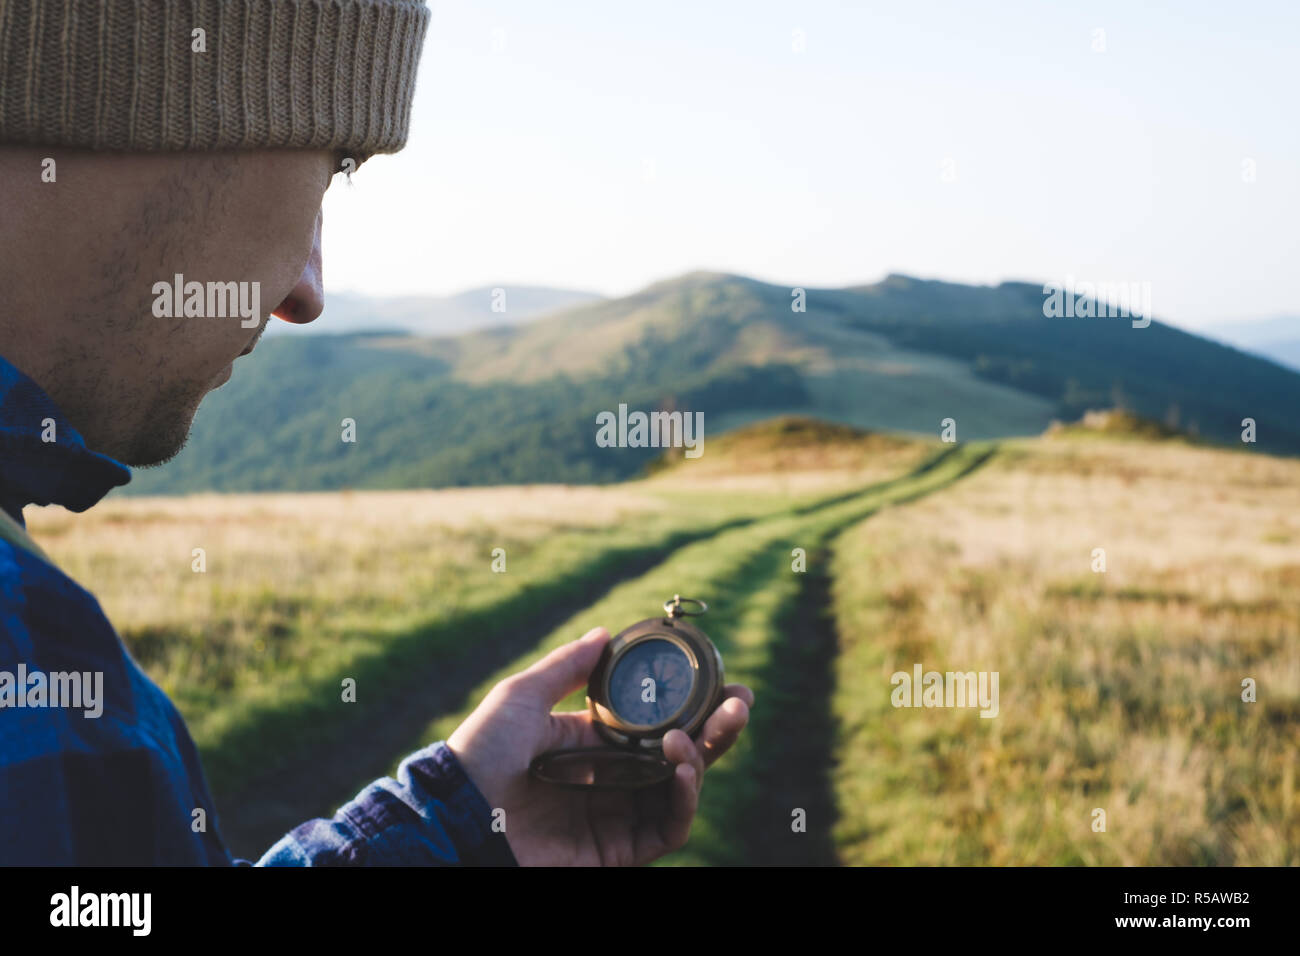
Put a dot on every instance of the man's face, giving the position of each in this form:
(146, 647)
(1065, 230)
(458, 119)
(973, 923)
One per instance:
(89, 248)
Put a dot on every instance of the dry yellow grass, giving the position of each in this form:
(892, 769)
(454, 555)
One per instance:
(352, 550)
(790, 457)
(1119, 690)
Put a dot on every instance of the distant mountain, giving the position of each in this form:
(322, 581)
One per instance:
(520, 403)
(1277, 338)
(468, 311)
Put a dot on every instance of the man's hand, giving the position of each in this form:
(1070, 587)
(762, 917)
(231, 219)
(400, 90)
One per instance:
(549, 825)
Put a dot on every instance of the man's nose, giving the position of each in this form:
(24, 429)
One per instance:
(307, 299)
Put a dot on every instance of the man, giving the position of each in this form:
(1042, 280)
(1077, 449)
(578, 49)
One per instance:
(143, 142)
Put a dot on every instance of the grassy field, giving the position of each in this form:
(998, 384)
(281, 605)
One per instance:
(1120, 690)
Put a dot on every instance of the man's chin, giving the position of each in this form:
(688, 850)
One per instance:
(155, 453)
(168, 434)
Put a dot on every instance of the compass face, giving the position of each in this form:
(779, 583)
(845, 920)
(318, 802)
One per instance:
(651, 682)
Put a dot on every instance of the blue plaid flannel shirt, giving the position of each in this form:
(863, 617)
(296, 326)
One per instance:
(122, 787)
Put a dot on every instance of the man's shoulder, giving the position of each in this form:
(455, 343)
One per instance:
(56, 700)
(25, 577)
(63, 668)
(93, 754)
(75, 789)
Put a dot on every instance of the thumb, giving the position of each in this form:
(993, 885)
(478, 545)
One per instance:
(564, 670)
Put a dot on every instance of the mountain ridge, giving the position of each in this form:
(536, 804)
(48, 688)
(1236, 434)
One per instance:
(518, 403)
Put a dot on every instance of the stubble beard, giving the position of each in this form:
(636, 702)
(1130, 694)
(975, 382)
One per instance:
(163, 428)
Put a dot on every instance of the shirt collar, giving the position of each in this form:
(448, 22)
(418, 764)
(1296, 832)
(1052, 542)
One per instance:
(43, 459)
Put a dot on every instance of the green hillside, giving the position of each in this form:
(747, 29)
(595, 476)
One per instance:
(519, 404)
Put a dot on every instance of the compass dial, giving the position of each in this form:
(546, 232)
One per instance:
(651, 682)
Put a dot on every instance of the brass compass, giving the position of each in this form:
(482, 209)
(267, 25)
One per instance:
(659, 674)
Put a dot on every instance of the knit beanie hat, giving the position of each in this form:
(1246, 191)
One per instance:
(146, 75)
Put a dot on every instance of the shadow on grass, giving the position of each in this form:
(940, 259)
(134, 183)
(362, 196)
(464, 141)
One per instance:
(784, 764)
(800, 734)
(784, 773)
(284, 766)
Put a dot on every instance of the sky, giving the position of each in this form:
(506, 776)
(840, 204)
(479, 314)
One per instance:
(604, 146)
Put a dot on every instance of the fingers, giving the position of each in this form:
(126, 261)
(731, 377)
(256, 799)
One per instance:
(680, 749)
(723, 727)
(570, 729)
(683, 800)
(716, 737)
(561, 672)
(741, 691)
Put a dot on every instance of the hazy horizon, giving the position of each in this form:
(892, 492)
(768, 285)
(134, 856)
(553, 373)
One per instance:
(1205, 326)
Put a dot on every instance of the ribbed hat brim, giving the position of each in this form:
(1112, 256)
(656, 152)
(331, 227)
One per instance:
(122, 74)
